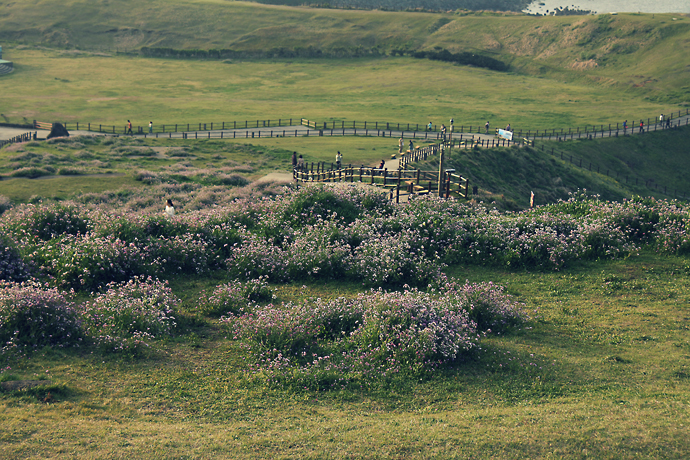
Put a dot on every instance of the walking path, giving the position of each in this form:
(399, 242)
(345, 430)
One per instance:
(391, 164)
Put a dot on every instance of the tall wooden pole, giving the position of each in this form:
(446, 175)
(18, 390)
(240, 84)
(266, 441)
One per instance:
(440, 172)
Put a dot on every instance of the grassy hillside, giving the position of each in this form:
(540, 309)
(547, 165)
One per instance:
(600, 366)
(69, 86)
(564, 70)
(429, 5)
(654, 164)
(627, 50)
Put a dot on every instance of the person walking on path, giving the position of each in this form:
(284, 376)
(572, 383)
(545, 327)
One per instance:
(487, 127)
(338, 160)
(668, 122)
(150, 127)
(401, 145)
(625, 126)
(428, 128)
(661, 119)
(294, 160)
(129, 127)
(641, 126)
(411, 146)
(300, 163)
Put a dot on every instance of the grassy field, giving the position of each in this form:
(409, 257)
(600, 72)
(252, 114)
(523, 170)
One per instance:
(648, 165)
(85, 166)
(601, 372)
(565, 71)
(58, 86)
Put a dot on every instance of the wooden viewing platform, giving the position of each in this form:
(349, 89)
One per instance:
(400, 182)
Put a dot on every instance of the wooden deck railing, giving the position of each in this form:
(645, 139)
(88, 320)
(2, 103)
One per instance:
(399, 181)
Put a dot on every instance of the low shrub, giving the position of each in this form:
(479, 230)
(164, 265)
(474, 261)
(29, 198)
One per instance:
(12, 266)
(88, 262)
(236, 297)
(5, 204)
(32, 172)
(324, 344)
(33, 315)
(128, 315)
(46, 221)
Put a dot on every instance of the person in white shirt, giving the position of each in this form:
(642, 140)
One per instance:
(169, 208)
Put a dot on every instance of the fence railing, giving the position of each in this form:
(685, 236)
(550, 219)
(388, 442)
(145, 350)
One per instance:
(399, 181)
(20, 138)
(652, 123)
(43, 125)
(413, 130)
(458, 142)
(170, 127)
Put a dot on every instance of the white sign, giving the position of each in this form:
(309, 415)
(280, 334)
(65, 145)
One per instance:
(505, 134)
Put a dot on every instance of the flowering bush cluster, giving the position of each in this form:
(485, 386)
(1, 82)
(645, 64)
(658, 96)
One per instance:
(33, 315)
(330, 344)
(123, 318)
(129, 314)
(330, 232)
(12, 266)
(236, 297)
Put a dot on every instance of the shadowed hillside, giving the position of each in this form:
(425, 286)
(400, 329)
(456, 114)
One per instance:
(615, 168)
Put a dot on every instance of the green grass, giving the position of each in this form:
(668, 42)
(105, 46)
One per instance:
(111, 90)
(609, 342)
(627, 166)
(109, 165)
(609, 339)
(653, 164)
(639, 70)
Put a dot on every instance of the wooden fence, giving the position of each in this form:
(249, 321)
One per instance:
(414, 130)
(459, 142)
(21, 138)
(43, 125)
(399, 182)
(651, 124)
(171, 127)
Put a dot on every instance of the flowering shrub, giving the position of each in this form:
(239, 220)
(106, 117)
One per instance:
(487, 305)
(327, 344)
(393, 260)
(236, 297)
(86, 261)
(46, 221)
(32, 315)
(179, 254)
(12, 266)
(130, 314)
(304, 206)
(336, 231)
